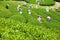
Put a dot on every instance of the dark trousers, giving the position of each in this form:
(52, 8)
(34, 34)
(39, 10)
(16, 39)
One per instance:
(48, 20)
(6, 7)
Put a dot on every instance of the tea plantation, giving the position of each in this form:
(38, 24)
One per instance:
(16, 26)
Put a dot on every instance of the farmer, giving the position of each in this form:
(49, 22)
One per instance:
(38, 1)
(7, 6)
(52, 8)
(30, 5)
(47, 9)
(56, 8)
(24, 4)
(19, 9)
(29, 11)
(39, 18)
(48, 18)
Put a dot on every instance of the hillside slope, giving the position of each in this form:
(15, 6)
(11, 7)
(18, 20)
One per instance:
(16, 26)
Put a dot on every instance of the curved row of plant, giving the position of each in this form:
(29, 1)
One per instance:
(42, 2)
(12, 13)
(14, 30)
(16, 26)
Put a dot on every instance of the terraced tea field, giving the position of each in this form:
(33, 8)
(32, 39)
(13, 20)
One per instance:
(16, 26)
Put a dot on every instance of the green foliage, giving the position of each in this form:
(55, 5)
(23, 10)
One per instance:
(12, 0)
(47, 2)
(16, 26)
(42, 2)
(14, 30)
(59, 9)
(18, 18)
(31, 1)
(7, 12)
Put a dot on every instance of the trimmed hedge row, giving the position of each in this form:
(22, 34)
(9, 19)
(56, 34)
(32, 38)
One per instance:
(47, 2)
(42, 2)
(14, 30)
